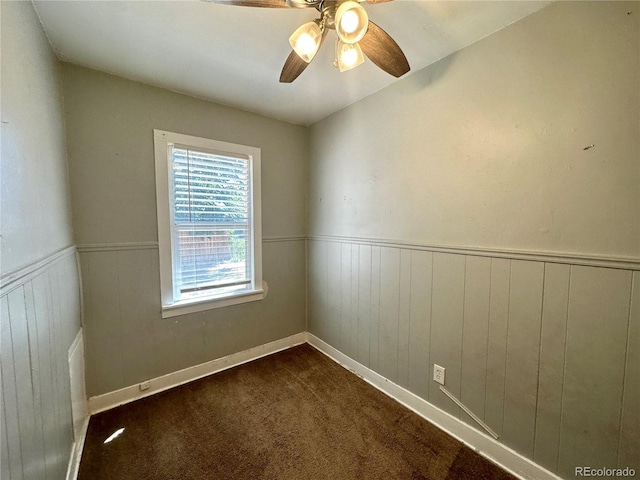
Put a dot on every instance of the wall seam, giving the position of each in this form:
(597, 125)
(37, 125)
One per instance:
(535, 419)
(486, 360)
(430, 327)
(8, 320)
(398, 316)
(306, 285)
(464, 301)
(506, 348)
(564, 371)
(624, 373)
(409, 317)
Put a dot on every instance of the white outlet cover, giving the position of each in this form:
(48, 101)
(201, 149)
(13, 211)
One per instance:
(438, 374)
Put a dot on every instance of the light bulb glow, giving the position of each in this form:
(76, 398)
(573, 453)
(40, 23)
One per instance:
(349, 21)
(306, 40)
(349, 57)
(305, 44)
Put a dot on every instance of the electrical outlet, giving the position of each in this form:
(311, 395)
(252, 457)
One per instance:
(144, 386)
(438, 374)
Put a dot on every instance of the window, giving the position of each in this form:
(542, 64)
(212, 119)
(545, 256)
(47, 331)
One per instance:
(209, 227)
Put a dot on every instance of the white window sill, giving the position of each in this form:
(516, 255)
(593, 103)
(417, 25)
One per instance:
(201, 304)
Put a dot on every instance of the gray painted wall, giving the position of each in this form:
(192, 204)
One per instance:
(485, 149)
(39, 296)
(110, 139)
(36, 218)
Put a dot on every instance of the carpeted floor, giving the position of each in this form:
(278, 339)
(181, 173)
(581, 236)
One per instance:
(293, 415)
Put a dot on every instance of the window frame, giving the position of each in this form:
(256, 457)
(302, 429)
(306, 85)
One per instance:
(163, 142)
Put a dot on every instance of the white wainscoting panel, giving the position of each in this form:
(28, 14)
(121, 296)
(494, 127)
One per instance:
(40, 317)
(543, 350)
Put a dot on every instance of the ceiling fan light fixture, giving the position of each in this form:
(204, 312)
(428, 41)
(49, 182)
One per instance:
(349, 56)
(351, 22)
(305, 41)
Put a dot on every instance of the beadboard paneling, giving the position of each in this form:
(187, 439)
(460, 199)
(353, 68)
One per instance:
(420, 322)
(475, 332)
(523, 346)
(334, 293)
(497, 351)
(364, 303)
(389, 305)
(551, 375)
(345, 298)
(535, 349)
(597, 332)
(317, 275)
(404, 318)
(447, 312)
(374, 331)
(40, 317)
(629, 453)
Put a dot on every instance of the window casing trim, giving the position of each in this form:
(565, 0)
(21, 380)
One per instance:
(163, 142)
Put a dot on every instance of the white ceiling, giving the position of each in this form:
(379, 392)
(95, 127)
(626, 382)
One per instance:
(233, 55)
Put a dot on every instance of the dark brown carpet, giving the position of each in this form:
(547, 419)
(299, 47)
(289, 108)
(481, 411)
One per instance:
(293, 415)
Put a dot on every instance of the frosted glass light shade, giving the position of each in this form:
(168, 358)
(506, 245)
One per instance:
(349, 56)
(351, 21)
(305, 41)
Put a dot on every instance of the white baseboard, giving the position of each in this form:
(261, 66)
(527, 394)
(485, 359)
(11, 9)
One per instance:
(486, 446)
(79, 406)
(113, 399)
(76, 451)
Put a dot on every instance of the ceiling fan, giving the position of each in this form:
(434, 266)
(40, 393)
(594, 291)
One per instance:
(356, 35)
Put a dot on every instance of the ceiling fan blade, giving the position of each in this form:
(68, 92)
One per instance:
(294, 65)
(382, 50)
(378, 1)
(255, 3)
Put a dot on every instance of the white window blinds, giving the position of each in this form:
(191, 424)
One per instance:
(211, 223)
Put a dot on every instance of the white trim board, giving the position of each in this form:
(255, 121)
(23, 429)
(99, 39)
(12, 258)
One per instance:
(126, 246)
(115, 247)
(79, 408)
(16, 278)
(287, 238)
(129, 394)
(484, 445)
(569, 258)
(76, 359)
(73, 466)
